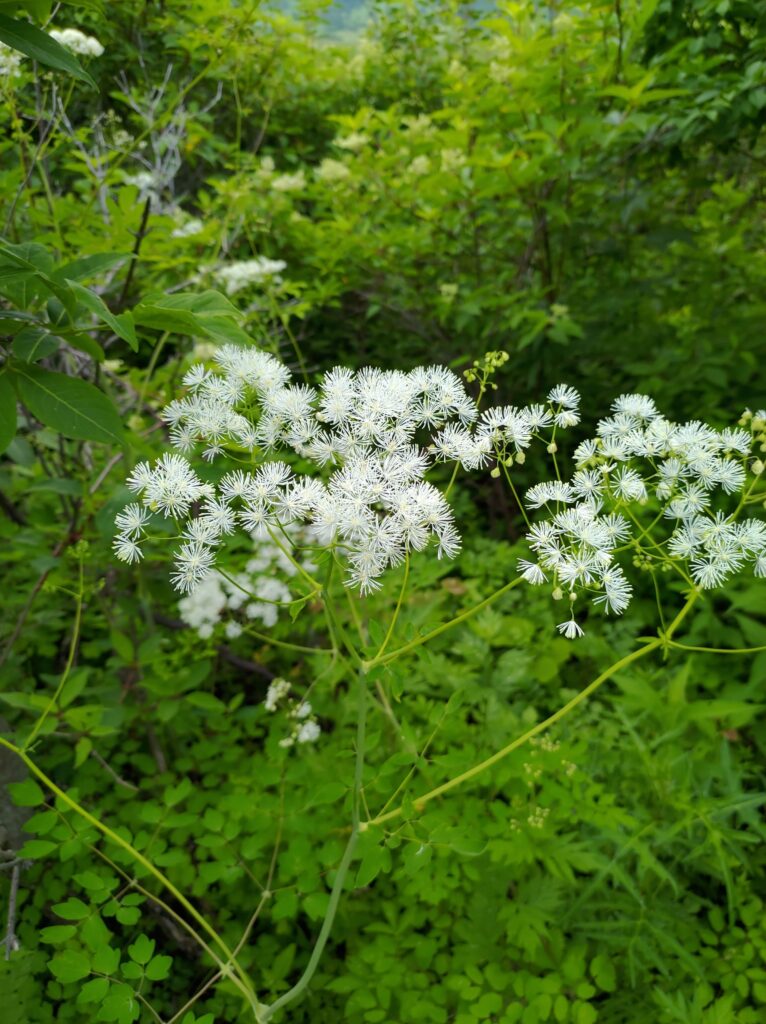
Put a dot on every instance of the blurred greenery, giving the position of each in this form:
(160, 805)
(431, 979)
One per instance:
(578, 185)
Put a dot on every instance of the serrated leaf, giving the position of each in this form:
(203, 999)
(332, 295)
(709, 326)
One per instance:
(71, 406)
(38, 45)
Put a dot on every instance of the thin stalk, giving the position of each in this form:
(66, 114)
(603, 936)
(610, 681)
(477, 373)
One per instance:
(284, 644)
(716, 650)
(356, 826)
(419, 641)
(662, 641)
(392, 624)
(244, 982)
(69, 662)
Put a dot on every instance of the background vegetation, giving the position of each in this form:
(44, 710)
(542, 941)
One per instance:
(579, 185)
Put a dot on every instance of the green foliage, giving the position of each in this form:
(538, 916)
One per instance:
(529, 195)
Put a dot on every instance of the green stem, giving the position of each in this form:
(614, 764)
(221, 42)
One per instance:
(662, 641)
(392, 624)
(243, 982)
(717, 650)
(340, 878)
(419, 641)
(69, 662)
(284, 644)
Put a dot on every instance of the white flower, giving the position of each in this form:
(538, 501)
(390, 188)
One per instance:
(289, 182)
(276, 693)
(10, 61)
(531, 572)
(131, 520)
(570, 629)
(76, 41)
(565, 396)
(127, 550)
(332, 171)
(309, 732)
(187, 230)
(353, 142)
(236, 276)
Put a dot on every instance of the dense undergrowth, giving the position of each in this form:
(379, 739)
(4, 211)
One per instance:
(579, 187)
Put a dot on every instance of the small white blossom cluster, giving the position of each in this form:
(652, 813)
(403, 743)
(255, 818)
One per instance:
(256, 593)
(505, 431)
(10, 61)
(685, 473)
(304, 726)
(236, 276)
(361, 428)
(75, 41)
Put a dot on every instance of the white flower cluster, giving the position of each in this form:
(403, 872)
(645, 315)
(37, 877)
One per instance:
(236, 276)
(683, 473)
(255, 593)
(374, 506)
(305, 727)
(75, 41)
(10, 61)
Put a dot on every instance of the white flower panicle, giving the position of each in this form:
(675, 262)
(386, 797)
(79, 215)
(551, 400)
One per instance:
(686, 473)
(372, 434)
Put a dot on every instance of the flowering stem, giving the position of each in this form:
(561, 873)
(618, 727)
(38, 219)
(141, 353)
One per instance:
(419, 641)
(297, 565)
(287, 646)
(651, 645)
(266, 600)
(69, 662)
(398, 608)
(340, 878)
(516, 498)
(242, 982)
(717, 650)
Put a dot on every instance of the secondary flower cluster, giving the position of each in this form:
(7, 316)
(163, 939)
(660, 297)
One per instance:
(253, 594)
(77, 42)
(688, 476)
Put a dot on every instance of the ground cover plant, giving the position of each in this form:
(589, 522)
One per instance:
(383, 512)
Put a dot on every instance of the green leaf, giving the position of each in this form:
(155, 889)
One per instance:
(38, 45)
(90, 266)
(158, 968)
(33, 343)
(72, 909)
(93, 991)
(122, 324)
(106, 960)
(120, 1005)
(7, 412)
(57, 933)
(206, 701)
(142, 949)
(71, 965)
(71, 406)
(26, 793)
(36, 849)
